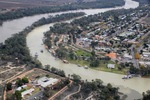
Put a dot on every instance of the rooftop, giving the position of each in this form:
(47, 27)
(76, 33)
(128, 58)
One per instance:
(45, 81)
(111, 55)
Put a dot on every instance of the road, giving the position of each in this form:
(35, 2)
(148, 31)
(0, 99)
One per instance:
(68, 96)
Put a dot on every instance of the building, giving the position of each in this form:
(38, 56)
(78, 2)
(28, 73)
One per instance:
(128, 56)
(27, 92)
(111, 66)
(21, 87)
(126, 34)
(112, 55)
(146, 54)
(45, 81)
(146, 64)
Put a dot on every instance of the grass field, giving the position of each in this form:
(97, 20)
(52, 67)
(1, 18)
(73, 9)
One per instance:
(82, 53)
(102, 66)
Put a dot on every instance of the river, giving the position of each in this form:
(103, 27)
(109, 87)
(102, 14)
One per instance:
(14, 26)
(133, 87)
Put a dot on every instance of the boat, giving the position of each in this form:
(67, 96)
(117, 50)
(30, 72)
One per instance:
(86, 67)
(65, 61)
(127, 77)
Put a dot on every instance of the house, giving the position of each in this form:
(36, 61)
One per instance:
(146, 54)
(21, 87)
(128, 56)
(112, 55)
(111, 66)
(45, 81)
(144, 63)
(27, 92)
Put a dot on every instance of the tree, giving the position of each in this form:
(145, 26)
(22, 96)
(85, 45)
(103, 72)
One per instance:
(19, 82)
(146, 96)
(47, 92)
(76, 78)
(53, 70)
(25, 80)
(18, 95)
(61, 73)
(93, 53)
(9, 86)
(137, 56)
(93, 44)
(47, 67)
(95, 63)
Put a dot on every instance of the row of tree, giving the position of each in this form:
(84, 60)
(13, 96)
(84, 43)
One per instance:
(55, 70)
(57, 18)
(96, 87)
(144, 71)
(41, 10)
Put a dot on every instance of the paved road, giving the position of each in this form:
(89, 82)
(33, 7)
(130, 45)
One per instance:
(38, 96)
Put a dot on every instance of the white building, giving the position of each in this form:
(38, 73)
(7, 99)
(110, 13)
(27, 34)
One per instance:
(127, 56)
(21, 87)
(45, 81)
(144, 63)
(111, 66)
(27, 92)
(146, 54)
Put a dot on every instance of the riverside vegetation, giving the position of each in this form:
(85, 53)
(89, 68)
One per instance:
(19, 13)
(14, 48)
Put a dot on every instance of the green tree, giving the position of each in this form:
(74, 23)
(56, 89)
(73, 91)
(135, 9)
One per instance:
(95, 63)
(25, 80)
(18, 95)
(93, 53)
(9, 86)
(19, 82)
(76, 78)
(47, 67)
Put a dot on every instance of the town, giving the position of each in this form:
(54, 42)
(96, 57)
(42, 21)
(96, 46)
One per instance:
(114, 41)
(72, 54)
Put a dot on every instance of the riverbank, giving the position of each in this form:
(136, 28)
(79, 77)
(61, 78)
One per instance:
(101, 67)
(126, 87)
(34, 41)
(34, 45)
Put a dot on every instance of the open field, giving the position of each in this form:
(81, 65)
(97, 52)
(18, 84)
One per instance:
(10, 73)
(38, 73)
(13, 4)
